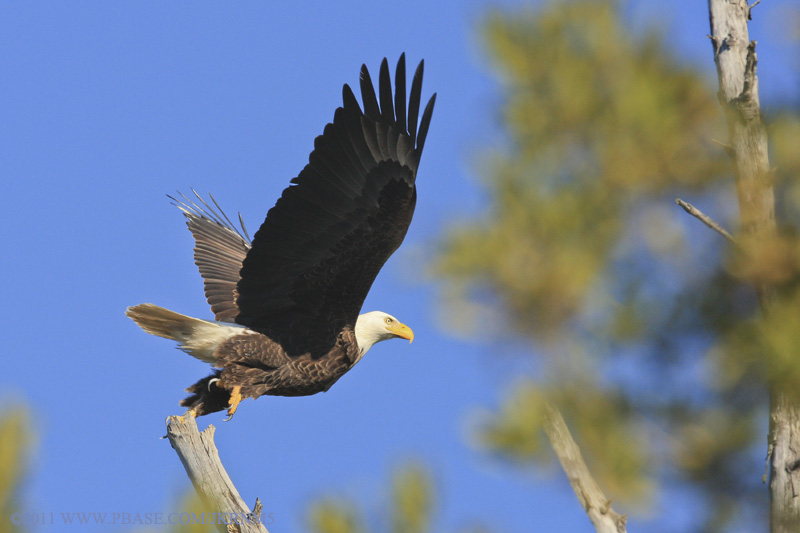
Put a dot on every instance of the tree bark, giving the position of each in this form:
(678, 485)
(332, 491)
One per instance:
(594, 502)
(201, 460)
(735, 58)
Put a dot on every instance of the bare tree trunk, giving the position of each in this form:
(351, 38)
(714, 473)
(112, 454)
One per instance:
(735, 58)
(594, 502)
(201, 460)
(784, 466)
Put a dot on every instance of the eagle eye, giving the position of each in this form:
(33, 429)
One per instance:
(388, 320)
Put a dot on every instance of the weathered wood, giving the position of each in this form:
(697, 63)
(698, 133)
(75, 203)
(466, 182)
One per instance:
(594, 502)
(705, 219)
(201, 460)
(784, 463)
(735, 58)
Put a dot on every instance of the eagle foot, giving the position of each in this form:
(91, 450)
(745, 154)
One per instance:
(236, 397)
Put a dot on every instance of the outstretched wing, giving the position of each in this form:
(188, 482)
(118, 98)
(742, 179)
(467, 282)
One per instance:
(219, 251)
(315, 257)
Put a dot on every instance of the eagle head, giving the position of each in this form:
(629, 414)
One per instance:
(377, 326)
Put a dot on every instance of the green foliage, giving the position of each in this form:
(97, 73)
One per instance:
(194, 513)
(15, 441)
(652, 346)
(410, 507)
(597, 123)
(596, 104)
(412, 497)
(334, 516)
(516, 433)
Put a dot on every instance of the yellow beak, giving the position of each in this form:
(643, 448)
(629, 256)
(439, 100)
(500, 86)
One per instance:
(402, 331)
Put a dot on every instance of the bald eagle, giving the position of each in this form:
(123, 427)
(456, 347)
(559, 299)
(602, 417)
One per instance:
(287, 304)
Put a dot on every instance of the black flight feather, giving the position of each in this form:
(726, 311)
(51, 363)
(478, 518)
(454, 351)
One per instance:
(413, 102)
(400, 93)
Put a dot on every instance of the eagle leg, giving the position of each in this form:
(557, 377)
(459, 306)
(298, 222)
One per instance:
(236, 397)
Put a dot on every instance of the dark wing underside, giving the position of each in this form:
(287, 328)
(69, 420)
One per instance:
(315, 257)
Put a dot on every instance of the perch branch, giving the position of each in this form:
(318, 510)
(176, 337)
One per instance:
(201, 460)
(594, 502)
(705, 219)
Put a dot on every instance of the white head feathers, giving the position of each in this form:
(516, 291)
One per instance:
(377, 326)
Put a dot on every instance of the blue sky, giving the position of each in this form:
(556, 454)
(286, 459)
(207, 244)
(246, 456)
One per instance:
(107, 107)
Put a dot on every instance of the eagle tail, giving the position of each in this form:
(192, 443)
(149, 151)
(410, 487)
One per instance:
(199, 338)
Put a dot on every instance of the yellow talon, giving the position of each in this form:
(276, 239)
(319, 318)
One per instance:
(236, 397)
(191, 412)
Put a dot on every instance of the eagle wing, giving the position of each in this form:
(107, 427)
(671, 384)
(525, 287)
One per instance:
(219, 251)
(316, 255)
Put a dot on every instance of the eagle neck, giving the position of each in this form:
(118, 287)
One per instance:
(366, 336)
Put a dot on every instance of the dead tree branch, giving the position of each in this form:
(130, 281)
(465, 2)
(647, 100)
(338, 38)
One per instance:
(736, 61)
(705, 219)
(594, 502)
(201, 460)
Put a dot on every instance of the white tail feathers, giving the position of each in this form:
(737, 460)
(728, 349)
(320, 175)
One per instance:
(199, 338)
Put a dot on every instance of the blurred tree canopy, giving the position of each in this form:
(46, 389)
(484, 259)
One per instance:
(644, 323)
(15, 442)
(646, 330)
(409, 510)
